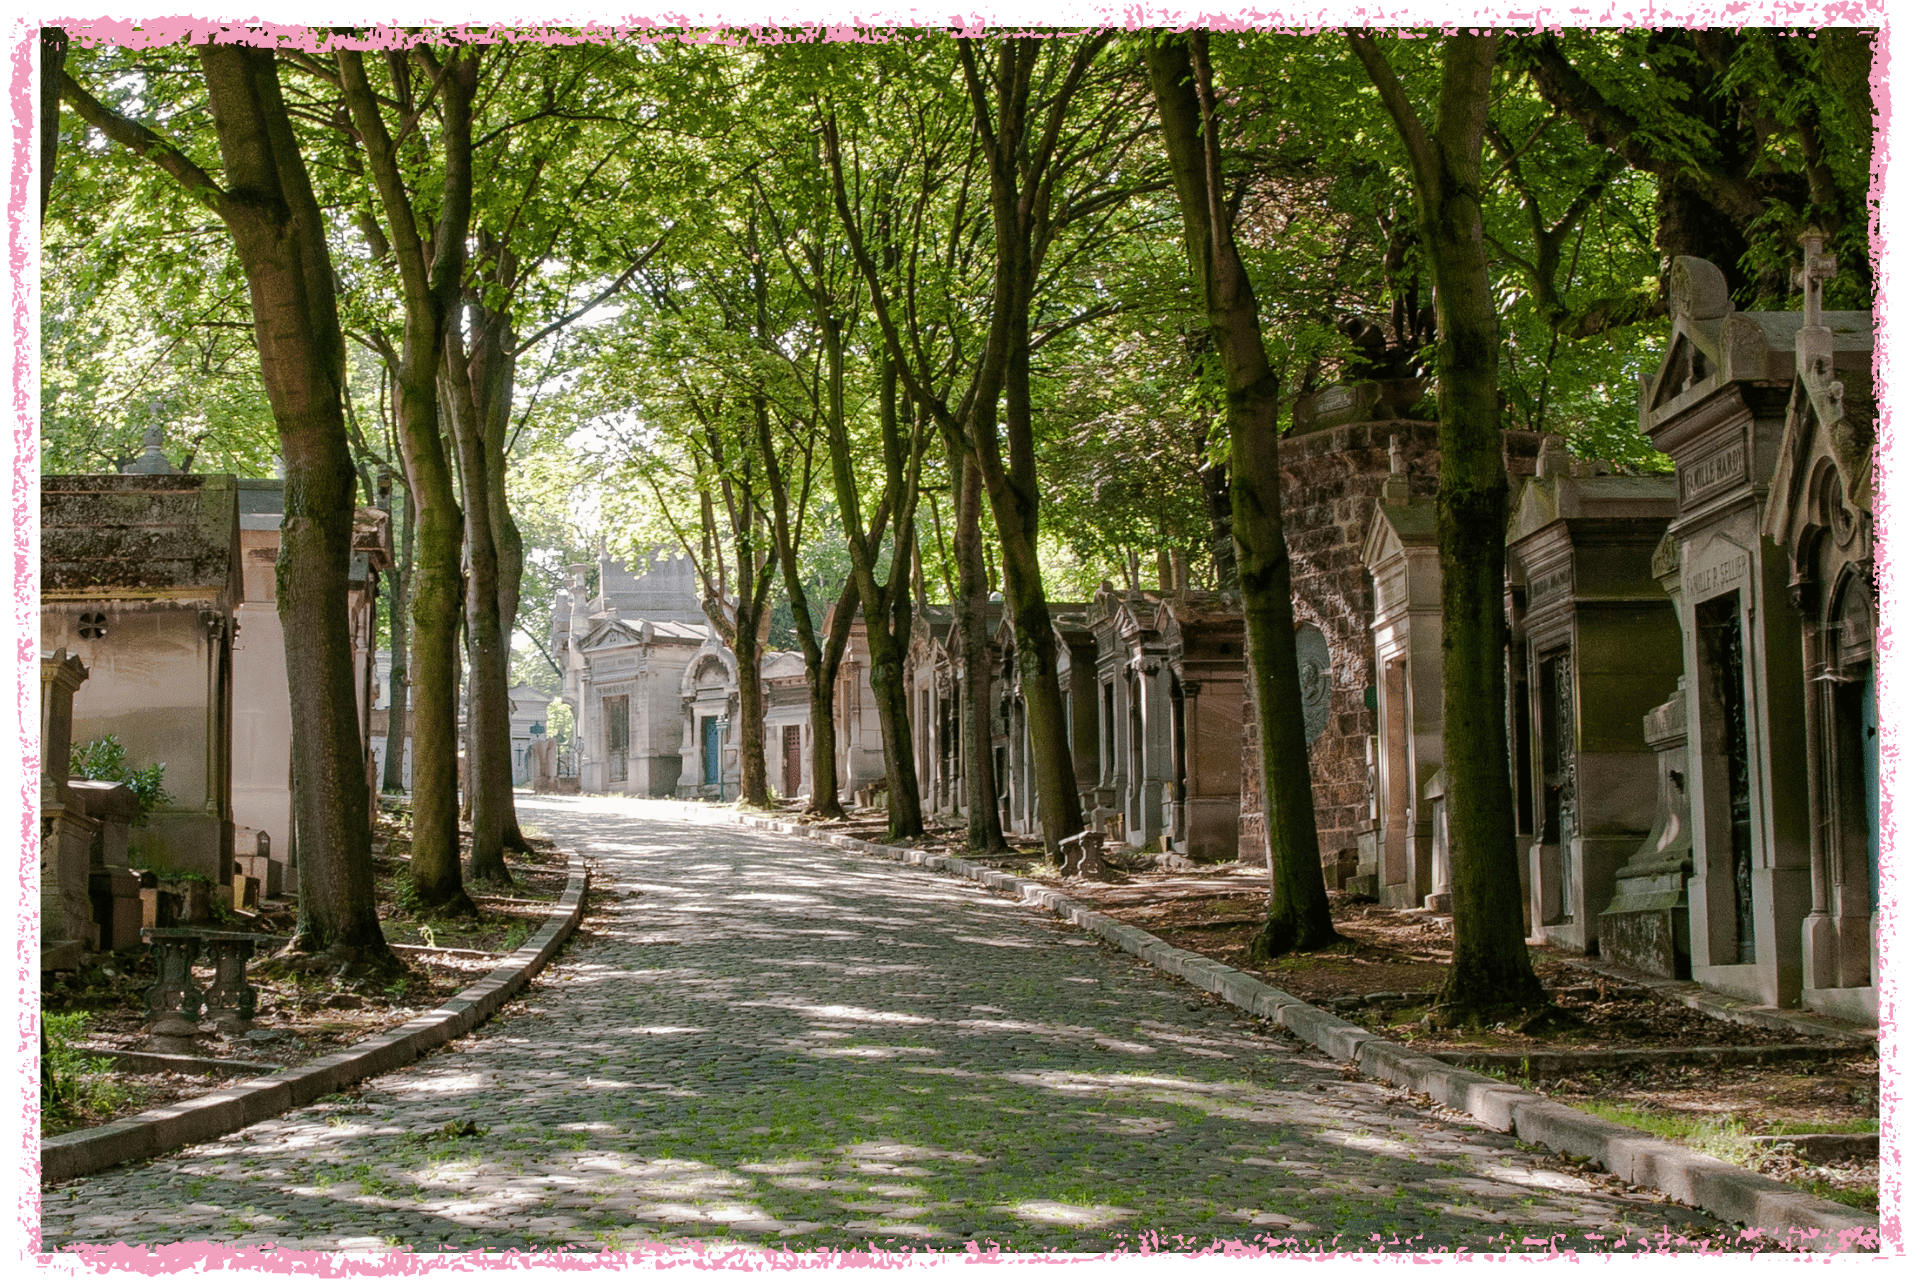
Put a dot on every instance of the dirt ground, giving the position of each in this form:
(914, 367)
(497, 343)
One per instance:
(305, 1017)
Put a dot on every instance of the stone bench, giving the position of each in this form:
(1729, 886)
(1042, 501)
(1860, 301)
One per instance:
(175, 1004)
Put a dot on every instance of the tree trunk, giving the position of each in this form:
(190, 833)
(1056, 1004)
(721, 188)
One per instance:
(826, 794)
(750, 729)
(489, 723)
(971, 609)
(1012, 486)
(478, 391)
(399, 583)
(1298, 916)
(52, 48)
(1013, 491)
(429, 287)
(887, 637)
(823, 661)
(279, 235)
(489, 390)
(1491, 970)
(745, 632)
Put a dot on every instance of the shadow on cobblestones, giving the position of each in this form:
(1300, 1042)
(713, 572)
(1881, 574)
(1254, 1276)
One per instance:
(774, 1043)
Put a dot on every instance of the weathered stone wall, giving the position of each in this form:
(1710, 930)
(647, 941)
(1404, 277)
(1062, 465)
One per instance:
(1332, 480)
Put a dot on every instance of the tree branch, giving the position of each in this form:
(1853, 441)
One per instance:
(145, 143)
(620, 282)
(1420, 149)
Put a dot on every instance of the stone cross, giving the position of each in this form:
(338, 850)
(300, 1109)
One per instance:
(1819, 268)
(1813, 345)
(1395, 490)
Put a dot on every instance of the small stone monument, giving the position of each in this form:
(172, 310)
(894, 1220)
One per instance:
(152, 461)
(1645, 926)
(543, 754)
(1083, 856)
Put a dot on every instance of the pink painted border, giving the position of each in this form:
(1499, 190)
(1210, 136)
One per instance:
(748, 22)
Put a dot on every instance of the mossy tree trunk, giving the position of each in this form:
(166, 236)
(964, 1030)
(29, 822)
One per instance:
(1491, 971)
(971, 608)
(1298, 916)
(399, 587)
(430, 282)
(280, 238)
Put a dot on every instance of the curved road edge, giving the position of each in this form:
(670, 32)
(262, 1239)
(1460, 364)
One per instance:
(1794, 1217)
(212, 1115)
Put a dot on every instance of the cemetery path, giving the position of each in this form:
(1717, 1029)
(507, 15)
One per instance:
(770, 1041)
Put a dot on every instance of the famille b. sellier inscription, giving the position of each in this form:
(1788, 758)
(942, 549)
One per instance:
(1714, 579)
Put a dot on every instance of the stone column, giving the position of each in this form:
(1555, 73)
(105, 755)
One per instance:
(66, 832)
(1157, 754)
(61, 675)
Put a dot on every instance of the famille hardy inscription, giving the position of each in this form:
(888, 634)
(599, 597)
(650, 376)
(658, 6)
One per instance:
(1716, 472)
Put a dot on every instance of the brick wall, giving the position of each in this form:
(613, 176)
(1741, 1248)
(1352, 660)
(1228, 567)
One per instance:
(1332, 480)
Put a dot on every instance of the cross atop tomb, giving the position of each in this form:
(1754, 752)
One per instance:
(1395, 490)
(1813, 345)
(1812, 276)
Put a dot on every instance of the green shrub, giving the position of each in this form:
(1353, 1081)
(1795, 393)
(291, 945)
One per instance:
(105, 760)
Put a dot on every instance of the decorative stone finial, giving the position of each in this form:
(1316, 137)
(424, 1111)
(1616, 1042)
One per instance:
(1696, 289)
(1813, 345)
(152, 461)
(1553, 458)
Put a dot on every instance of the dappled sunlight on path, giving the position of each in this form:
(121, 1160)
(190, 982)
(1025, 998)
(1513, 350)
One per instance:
(765, 1040)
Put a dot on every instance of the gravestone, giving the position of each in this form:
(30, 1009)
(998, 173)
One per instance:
(1595, 644)
(113, 887)
(1718, 407)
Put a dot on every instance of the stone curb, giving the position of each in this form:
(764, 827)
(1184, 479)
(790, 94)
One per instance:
(1573, 1061)
(73, 1155)
(1723, 1189)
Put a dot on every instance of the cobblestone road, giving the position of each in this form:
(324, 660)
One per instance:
(765, 1040)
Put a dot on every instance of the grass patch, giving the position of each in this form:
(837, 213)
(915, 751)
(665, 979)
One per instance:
(1867, 1198)
(1699, 1131)
(1859, 1124)
(1728, 1138)
(1722, 1136)
(77, 1087)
